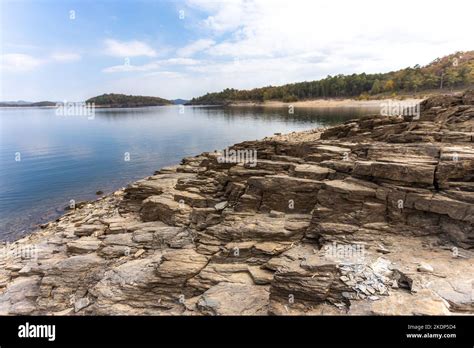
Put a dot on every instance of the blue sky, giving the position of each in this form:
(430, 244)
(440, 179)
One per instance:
(185, 48)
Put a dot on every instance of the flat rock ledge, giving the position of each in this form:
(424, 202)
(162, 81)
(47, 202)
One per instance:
(374, 216)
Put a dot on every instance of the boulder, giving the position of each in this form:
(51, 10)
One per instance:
(234, 299)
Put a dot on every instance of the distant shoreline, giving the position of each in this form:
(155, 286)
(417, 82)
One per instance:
(96, 106)
(327, 103)
(314, 103)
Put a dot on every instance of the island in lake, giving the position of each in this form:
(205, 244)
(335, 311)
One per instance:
(113, 100)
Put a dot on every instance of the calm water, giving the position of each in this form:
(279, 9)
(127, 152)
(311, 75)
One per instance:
(64, 158)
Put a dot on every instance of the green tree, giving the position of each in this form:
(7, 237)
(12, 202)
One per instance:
(376, 87)
(452, 78)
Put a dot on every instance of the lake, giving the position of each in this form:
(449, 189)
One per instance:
(46, 160)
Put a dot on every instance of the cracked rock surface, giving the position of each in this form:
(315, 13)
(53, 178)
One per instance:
(374, 216)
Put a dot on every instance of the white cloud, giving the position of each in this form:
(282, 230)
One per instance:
(166, 74)
(224, 15)
(180, 61)
(251, 72)
(128, 48)
(66, 57)
(271, 42)
(362, 36)
(132, 68)
(195, 47)
(155, 65)
(18, 62)
(197, 79)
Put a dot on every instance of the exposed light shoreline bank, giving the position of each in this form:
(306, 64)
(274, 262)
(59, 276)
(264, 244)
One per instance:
(326, 103)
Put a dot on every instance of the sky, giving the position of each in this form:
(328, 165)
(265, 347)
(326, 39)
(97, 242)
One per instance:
(73, 50)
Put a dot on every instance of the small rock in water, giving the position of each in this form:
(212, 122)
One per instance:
(425, 267)
(98, 193)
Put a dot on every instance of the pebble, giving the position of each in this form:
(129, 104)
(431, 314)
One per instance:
(139, 253)
(381, 288)
(81, 303)
(362, 288)
(383, 250)
(344, 279)
(425, 267)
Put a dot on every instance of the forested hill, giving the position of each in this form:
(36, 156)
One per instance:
(453, 71)
(18, 104)
(126, 101)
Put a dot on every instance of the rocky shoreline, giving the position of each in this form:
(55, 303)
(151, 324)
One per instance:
(374, 216)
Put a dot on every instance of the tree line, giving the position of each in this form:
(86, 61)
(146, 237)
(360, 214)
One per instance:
(450, 72)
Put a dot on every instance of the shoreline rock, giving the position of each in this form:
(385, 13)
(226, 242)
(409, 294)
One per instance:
(325, 222)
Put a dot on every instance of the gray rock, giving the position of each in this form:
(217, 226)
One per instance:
(425, 267)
